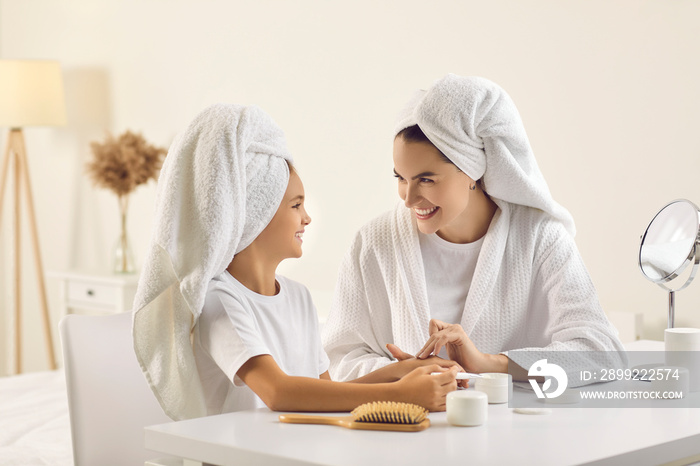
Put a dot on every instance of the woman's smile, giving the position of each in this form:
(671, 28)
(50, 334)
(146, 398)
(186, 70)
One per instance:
(425, 214)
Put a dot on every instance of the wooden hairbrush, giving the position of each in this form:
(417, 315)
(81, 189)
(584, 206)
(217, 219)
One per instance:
(379, 415)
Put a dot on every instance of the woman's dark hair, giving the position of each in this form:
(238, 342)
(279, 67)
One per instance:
(415, 134)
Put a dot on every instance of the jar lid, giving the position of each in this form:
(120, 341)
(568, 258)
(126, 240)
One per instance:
(493, 379)
(467, 395)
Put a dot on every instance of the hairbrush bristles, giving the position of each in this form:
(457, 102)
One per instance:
(390, 412)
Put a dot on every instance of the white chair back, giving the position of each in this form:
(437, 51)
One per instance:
(109, 400)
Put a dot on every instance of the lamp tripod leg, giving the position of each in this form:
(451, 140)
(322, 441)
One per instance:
(24, 169)
(3, 181)
(3, 173)
(18, 261)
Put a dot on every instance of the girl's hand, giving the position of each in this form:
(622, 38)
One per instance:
(429, 391)
(410, 362)
(459, 347)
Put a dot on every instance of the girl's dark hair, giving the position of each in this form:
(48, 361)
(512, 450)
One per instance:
(291, 167)
(415, 134)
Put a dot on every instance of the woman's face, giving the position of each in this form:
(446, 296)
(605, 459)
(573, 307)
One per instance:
(282, 237)
(437, 192)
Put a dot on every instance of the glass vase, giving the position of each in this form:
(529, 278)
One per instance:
(123, 255)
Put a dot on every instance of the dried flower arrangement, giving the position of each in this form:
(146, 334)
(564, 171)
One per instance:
(120, 164)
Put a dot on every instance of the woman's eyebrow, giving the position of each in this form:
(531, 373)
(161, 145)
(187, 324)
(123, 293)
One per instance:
(420, 175)
(300, 197)
(423, 175)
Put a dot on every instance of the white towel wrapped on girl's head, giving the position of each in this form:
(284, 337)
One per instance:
(220, 186)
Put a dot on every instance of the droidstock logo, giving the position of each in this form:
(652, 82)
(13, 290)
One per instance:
(549, 371)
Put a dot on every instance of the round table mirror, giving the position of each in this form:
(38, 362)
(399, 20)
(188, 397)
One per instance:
(669, 246)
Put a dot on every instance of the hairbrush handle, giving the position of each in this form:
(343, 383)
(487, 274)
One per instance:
(313, 419)
(349, 423)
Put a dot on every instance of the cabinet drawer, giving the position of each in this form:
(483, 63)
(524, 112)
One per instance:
(90, 293)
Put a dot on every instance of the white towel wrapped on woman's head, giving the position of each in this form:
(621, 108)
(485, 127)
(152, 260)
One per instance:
(221, 183)
(476, 125)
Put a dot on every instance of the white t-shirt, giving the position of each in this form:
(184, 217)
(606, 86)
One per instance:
(449, 269)
(237, 324)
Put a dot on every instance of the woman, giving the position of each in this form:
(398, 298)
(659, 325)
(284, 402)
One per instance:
(479, 259)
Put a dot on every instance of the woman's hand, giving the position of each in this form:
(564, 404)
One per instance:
(451, 336)
(460, 348)
(410, 362)
(426, 390)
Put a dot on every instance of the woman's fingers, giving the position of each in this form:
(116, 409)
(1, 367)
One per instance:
(451, 335)
(427, 349)
(436, 325)
(434, 344)
(441, 341)
(432, 327)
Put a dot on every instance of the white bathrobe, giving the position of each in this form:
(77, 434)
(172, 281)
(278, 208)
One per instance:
(530, 291)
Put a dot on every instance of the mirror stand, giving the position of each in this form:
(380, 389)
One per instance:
(672, 292)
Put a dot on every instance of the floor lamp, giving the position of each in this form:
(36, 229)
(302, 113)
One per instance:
(31, 94)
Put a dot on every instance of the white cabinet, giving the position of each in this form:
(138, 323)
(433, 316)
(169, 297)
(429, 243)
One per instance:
(101, 293)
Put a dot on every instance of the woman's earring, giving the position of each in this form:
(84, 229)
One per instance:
(472, 187)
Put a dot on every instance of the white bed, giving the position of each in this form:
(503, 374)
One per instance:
(34, 422)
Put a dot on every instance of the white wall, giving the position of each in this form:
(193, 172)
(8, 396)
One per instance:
(608, 90)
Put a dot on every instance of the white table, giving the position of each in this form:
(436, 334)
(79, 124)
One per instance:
(566, 436)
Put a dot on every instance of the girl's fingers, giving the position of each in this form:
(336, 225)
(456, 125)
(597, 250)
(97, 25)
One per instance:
(445, 376)
(397, 352)
(435, 368)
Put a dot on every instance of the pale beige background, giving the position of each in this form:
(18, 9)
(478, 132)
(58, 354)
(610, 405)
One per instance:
(609, 91)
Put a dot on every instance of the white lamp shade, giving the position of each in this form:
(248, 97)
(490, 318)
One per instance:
(31, 93)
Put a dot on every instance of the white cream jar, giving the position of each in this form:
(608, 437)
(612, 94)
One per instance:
(467, 408)
(496, 385)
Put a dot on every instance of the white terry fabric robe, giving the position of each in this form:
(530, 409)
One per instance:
(530, 289)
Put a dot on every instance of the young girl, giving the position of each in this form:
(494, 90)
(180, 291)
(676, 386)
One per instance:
(215, 329)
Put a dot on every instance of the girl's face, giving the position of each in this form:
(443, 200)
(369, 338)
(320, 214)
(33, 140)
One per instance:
(282, 237)
(437, 192)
